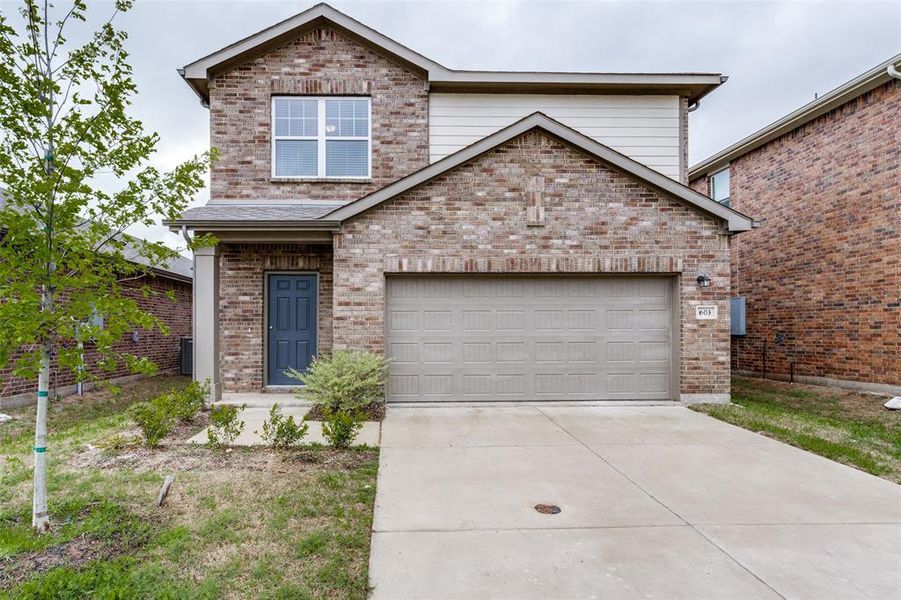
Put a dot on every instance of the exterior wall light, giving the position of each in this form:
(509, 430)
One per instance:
(703, 280)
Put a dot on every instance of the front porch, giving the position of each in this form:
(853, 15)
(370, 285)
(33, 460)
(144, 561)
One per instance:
(241, 327)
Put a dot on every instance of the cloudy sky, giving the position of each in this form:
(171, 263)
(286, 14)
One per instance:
(777, 54)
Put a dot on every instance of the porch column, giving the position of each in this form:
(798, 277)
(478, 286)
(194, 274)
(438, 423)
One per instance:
(206, 318)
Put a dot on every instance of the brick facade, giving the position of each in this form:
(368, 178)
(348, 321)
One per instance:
(474, 219)
(243, 269)
(319, 62)
(164, 351)
(823, 272)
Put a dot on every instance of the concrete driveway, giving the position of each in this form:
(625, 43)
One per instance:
(656, 502)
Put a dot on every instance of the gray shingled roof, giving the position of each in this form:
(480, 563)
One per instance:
(283, 211)
(180, 267)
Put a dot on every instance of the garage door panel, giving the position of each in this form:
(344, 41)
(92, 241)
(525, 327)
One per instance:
(481, 338)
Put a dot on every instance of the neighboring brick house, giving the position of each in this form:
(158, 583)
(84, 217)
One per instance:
(821, 276)
(518, 236)
(164, 351)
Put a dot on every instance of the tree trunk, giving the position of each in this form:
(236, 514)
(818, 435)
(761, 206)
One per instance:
(40, 519)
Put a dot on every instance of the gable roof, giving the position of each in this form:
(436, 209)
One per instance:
(661, 183)
(692, 85)
(841, 95)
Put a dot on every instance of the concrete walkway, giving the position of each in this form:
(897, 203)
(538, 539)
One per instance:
(657, 502)
(254, 417)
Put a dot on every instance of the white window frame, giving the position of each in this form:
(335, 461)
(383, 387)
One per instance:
(321, 139)
(710, 185)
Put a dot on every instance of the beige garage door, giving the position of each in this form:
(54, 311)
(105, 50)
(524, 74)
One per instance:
(478, 338)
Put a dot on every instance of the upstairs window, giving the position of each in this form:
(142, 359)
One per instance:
(719, 186)
(321, 138)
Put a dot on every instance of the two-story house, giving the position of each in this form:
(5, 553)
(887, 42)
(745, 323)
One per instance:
(498, 235)
(821, 277)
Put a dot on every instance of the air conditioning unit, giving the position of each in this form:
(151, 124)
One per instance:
(187, 356)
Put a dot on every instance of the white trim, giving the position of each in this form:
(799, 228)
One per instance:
(711, 189)
(197, 73)
(321, 140)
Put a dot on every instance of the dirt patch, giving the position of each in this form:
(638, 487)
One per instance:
(188, 457)
(825, 400)
(373, 412)
(186, 429)
(72, 554)
(859, 405)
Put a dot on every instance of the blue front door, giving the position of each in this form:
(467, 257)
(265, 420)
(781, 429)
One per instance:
(292, 325)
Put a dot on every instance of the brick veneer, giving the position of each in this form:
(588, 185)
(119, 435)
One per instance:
(474, 220)
(824, 268)
(242, 282)
(163, 350)
(319, 62)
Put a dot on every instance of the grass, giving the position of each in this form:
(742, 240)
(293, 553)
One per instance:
(247, 523)
(847, 427)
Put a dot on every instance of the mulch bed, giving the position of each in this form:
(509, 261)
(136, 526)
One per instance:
(373, 412)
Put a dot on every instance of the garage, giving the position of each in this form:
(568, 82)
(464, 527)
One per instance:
(530, 338)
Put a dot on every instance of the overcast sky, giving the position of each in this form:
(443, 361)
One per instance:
(777, 54)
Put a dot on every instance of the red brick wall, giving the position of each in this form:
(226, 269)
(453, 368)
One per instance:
(320, 62)
(824, 268)
(474, 219)
(242, 285)
(163, 350)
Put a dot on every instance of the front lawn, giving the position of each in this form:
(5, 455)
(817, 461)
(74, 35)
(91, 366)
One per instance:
(242, 523)
(849, 427)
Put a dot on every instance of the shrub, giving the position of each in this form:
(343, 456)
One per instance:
(343, 381)
(340, 428)
(184, 404)
(154, 421)
(226, 427)
(280, 431)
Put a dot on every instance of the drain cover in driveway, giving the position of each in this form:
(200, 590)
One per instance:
(547, 509)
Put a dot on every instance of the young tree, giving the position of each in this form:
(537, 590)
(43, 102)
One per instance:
(64, 256)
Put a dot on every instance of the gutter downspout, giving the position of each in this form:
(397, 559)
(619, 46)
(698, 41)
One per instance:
(184, 234)
(893, 72)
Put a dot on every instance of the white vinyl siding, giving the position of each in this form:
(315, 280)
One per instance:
(644, 128)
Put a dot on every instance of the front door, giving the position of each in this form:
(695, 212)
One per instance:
(291, 327)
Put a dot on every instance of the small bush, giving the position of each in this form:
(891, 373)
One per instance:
(226, 427)
(280, 431)
(154, 421)
(184, 404)
(343, 381)
(340, 428)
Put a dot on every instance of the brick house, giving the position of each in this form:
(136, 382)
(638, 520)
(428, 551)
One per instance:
(821, 276)
(164, 351)
(499, 236)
